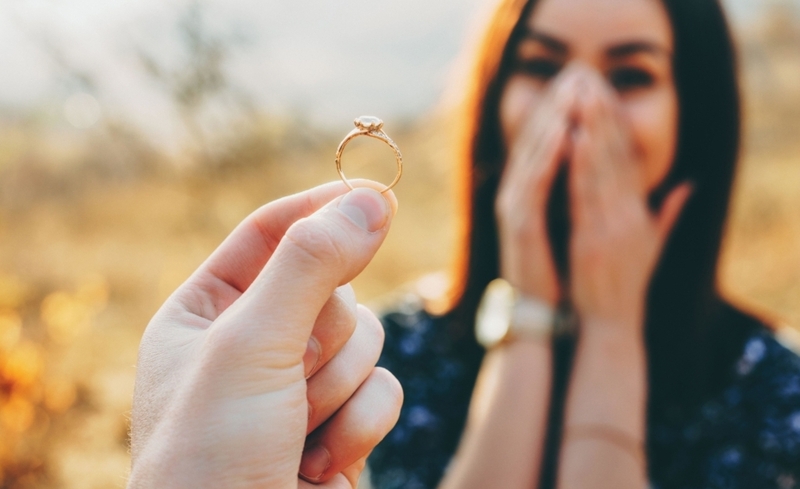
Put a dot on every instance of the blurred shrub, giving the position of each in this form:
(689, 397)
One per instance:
(33, 397)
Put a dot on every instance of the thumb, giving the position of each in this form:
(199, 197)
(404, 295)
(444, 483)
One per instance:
(671, 209)
(317, 254)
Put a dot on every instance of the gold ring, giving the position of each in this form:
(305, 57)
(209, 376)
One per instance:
(372, 127)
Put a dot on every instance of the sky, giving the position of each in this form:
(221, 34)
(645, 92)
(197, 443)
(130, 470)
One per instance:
(323, 59)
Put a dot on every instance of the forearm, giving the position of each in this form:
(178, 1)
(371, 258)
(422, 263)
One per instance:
(504, 439)
(605, 416)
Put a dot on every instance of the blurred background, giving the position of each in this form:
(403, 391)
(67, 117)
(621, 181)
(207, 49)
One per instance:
(135, 135)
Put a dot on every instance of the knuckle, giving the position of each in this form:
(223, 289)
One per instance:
(339, 314)
(221, 341)
(347, 295)
(268, 233)
(224, 348)
(220, 348)
(380, 399)
(372, 329)
(622, 228)
(315, 242)
(392, 388)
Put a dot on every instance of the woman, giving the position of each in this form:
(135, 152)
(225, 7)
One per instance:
(602, 138)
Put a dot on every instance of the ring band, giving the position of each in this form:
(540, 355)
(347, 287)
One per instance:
(371, 127)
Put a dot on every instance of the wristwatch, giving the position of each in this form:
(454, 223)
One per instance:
(504, 314)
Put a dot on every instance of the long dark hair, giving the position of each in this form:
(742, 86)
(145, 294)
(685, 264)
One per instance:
(692, 335)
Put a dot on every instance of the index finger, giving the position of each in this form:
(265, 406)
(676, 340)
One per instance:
(270, 324)
(235, 264)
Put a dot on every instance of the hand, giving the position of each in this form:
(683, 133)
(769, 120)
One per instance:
(616, 240)
(263, 345)
(526, 256)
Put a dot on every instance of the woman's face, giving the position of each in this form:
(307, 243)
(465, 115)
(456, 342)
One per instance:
(629, 42)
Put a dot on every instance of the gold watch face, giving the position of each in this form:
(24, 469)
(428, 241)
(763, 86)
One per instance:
(493, 318)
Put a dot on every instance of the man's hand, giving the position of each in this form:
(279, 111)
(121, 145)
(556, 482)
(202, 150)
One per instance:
(263, 345)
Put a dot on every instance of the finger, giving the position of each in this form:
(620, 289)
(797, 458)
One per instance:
(234, 265)
(534, 180)
(556, 107)
(333, 328)
(598, 106)
(534, 163)
(346, 479)
(611, 166)
(609, 119)
(353, 473)
(569, 84)
(553, 157)
(316, 255)
(527, 148)
(339, 481)
(355, 429)
(582, 191)
(588, 135)
(333, 385)
(618, 143)
(671, 209)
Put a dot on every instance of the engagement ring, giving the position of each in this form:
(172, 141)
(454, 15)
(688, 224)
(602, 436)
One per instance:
(372, 127)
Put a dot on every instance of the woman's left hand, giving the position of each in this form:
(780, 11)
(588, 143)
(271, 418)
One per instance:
(616, 240)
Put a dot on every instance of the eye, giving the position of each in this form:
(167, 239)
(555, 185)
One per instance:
(540, 68)
(626, 79)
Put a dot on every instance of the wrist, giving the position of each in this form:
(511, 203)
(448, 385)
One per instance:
(613, 343)
(617, 329)
(623, 323)
(533, 285)
(610, 380)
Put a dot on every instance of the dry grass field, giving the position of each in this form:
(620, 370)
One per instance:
(98, 227)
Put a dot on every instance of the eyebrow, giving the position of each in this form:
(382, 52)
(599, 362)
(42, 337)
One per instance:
(548, 41)
(622, 50)
(630, 48)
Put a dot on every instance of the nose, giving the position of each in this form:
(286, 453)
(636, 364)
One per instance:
(580, 72)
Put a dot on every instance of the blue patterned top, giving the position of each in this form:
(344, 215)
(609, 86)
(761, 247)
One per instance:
(746, 437)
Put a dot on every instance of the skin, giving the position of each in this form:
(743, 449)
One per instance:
(628, 43)
(593, 90)
(259, 371)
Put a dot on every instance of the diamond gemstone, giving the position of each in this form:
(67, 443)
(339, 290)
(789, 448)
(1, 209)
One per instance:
(368, 123)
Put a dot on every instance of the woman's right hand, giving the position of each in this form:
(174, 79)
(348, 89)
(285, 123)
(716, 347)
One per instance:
(534, 157)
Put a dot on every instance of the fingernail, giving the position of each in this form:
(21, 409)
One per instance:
(366, 208)
(311, 356)
(315, 462)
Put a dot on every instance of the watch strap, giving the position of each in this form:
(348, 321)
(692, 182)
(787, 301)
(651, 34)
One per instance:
(531, 319)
